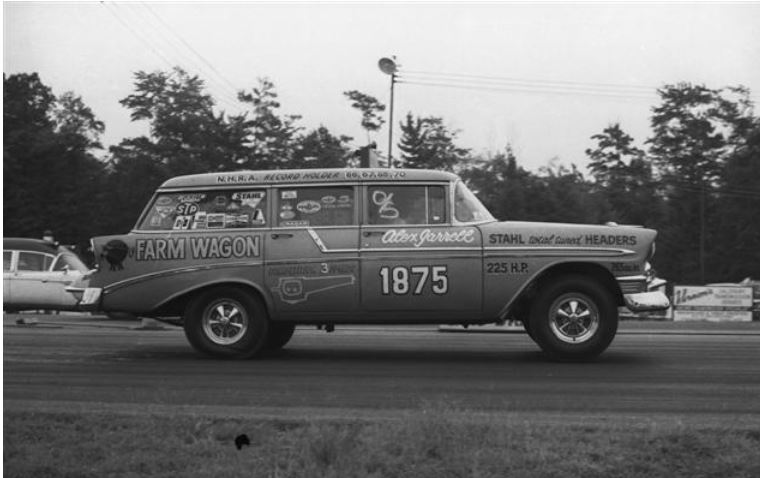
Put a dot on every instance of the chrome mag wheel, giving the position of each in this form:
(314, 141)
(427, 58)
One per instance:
(573, 318)
(225, 321)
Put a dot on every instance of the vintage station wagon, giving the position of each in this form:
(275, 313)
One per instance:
(239, 259)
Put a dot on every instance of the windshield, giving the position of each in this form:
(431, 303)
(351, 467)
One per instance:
(467, 207)
(239, 208)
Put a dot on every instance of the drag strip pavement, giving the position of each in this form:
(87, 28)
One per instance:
(381, 370)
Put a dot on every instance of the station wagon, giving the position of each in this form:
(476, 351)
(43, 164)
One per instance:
(239, 259)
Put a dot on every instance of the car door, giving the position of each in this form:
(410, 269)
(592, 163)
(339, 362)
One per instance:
(35, 284)
(7, 277)
(415, 262)
(312, 260)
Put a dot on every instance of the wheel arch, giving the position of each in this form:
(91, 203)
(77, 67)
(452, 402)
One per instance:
(520, 304)
(175, 306)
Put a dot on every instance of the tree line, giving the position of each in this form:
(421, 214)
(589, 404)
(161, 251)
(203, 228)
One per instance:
(695, 179)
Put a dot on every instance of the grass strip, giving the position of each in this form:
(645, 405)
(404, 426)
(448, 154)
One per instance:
(435, 441)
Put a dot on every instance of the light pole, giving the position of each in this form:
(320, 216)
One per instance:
(389, 67)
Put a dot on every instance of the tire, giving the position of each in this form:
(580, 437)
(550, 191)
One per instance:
(573, 317)
(279, 334)
(526, 325)
(226, 322)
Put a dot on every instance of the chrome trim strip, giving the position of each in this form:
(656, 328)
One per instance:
(432, 256)
(317, 240)
(318, 260)
(121, 284)
(545, 248)
(553, 251)
(229, 231)
(412, 249)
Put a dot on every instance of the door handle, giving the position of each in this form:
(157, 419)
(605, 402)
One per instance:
(372, 233)
(282, 235)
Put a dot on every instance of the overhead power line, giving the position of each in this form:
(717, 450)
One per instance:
(112, 10)
(523, 85)
(524, 81)
(223, 78)
(226, 94)
(494, 83)
(523, 89)
(166, 48)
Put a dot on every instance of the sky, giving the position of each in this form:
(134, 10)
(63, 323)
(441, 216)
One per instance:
(540, 77)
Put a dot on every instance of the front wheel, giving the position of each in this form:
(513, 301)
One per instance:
(226, 322)
(573, 318)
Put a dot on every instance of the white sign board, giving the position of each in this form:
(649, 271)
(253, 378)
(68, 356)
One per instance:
(712, 303)
(713, 315)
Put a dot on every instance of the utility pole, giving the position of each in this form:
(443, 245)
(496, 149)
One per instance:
(389, 67)
(702, 233)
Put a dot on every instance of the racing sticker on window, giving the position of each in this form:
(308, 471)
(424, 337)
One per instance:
(193, 198)
(249, 198)
(215, 221)
(309, 207)
(386, 207)
(294, 223)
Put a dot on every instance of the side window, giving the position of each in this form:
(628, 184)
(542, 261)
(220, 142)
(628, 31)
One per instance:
(34, 262)
(7, 257)
(316, 206)
(406, 205)
(227, 209)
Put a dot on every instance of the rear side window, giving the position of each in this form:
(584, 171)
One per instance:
(316, 206)
(229, 209)
(70, 262)
(406, 205)
(7, 257)
(34, 262)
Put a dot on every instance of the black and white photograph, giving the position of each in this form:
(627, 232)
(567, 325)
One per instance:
(381, 239)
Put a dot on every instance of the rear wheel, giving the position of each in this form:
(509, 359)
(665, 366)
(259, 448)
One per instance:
(279, 334)
(226, 322)
(573, 318)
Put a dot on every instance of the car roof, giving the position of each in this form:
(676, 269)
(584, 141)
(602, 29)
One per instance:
(300, 176)
(28, 244)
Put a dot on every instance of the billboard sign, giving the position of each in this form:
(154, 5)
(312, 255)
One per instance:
(712, 303)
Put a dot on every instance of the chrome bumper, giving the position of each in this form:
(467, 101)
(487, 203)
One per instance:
(649, 301)
(646, 301)
(88, 297)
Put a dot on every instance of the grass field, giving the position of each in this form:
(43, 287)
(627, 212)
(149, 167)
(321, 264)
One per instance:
(434, 441)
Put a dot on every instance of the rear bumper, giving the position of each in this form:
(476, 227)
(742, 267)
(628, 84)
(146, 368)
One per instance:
(88, 297)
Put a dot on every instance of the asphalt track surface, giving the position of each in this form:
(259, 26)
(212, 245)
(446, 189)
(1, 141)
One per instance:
(70, 363)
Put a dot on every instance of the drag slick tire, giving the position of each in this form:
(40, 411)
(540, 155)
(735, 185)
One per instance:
(226, 322)
(279, 334)
(573, 318)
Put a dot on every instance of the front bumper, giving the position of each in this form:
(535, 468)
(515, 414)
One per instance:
(649, 296)
(646, 301)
